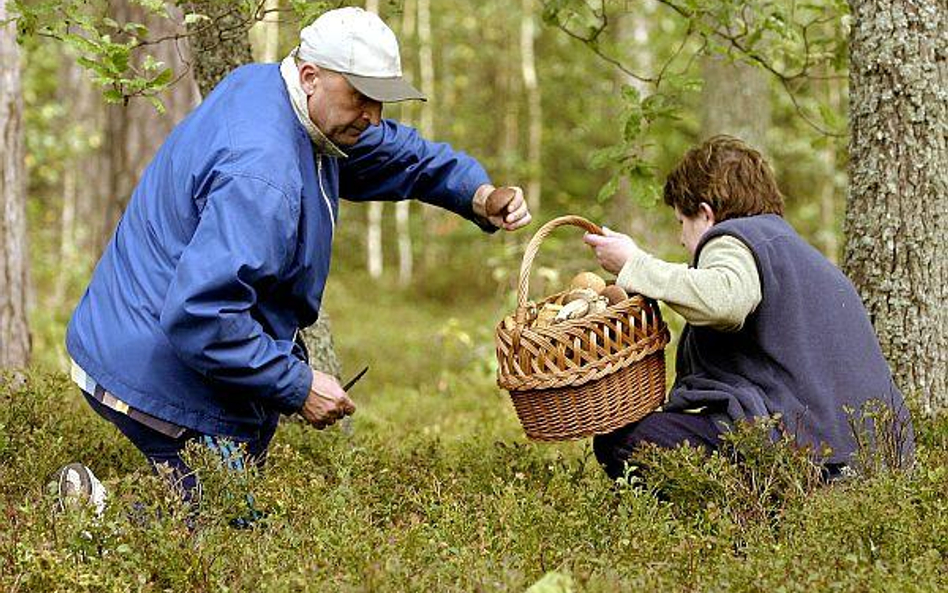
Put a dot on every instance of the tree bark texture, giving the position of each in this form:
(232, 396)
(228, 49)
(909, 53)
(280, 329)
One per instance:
(14, 282)
(217, 51)
(895, 217)
(220, 45)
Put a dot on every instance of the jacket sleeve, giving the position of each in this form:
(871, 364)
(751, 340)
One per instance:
(393, 162)
(239, 246)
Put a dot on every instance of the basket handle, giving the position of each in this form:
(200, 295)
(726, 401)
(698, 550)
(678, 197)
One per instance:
(531, 253)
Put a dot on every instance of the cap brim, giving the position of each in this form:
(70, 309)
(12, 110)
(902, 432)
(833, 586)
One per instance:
(385, 90)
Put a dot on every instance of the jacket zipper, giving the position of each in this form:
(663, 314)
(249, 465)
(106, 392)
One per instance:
(322, 192)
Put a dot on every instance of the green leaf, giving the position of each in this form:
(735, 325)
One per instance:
(137, 29)
(164, 77)
(608, 190)
(114, 95)
(159, 106)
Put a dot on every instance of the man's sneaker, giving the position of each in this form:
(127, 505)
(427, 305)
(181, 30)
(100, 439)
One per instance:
(76, 482)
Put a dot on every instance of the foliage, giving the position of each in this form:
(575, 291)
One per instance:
(798, 43)
(115, 52)
(436, 489)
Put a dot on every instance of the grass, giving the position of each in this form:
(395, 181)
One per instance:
(436, 489)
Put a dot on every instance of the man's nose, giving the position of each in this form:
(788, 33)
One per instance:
(373, 113)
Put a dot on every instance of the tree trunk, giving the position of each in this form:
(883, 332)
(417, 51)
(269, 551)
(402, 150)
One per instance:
(14, 280)
(534, 108)
(79, 170)
(373, 240)
(265, 35)
(403, 208)
(895, 218)
(217, 49)
(134, 131)
(735, 100)
(828, 236)
(432, 217)
(373, 237)
(633, 32)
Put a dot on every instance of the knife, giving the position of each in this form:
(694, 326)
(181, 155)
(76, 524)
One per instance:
(354, 380)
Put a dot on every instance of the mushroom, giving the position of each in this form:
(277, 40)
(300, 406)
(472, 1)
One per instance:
(589, 280)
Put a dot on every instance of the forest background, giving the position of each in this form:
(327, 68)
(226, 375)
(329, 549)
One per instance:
(586, 105)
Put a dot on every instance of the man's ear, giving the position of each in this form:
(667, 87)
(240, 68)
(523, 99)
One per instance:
(705, 210)
(309, 74)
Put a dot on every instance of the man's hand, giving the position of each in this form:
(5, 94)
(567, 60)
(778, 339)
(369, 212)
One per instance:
(613, 249)
(503, 207)
(326, 402)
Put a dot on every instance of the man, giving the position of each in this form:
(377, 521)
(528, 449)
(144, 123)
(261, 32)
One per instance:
(774, 329)
(187, 329)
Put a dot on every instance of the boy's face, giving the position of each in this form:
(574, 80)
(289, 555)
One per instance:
(694, 227)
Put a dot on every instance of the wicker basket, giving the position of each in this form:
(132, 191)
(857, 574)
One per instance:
(584, 376)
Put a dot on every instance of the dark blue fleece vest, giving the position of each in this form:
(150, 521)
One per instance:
(807, 352)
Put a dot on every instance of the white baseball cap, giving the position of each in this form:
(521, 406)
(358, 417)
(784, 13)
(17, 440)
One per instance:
(358, 45)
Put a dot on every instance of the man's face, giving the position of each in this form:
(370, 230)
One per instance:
(694, 227)
(339, 111)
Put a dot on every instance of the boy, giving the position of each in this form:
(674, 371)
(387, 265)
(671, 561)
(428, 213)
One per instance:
(773, 327)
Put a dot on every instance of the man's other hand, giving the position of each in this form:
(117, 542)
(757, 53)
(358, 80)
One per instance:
(503, 207)
(326, 402)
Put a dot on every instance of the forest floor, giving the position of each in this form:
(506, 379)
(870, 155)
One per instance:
(435, 488)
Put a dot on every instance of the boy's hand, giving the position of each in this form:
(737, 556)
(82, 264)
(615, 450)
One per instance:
(612, 249)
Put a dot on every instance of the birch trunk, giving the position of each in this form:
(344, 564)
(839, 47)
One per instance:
(403, 208)
(14, 277)
(896, 223)
(373, 236)
(534, 106)
(432, 217)
(265, 34)
(634, 33)
(373, 240)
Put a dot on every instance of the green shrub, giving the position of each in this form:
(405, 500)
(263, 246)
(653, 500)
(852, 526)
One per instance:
(436, 489)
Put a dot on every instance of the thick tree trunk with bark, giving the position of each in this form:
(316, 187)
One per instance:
(896, 222)
(14, 330)
(218, 45)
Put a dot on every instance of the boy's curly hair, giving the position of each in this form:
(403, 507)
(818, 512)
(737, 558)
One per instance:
(733, 178)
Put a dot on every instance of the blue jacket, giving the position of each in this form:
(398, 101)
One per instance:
(223, 252)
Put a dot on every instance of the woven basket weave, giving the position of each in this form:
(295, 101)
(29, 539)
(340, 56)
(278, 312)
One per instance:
(584, 376)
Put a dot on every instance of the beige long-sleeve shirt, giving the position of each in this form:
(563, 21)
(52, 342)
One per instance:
(720, 292)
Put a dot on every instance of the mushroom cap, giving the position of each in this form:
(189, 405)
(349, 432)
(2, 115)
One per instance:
(589, 280)
(614, 293)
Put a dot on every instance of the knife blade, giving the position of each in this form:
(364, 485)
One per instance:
(349, 384)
